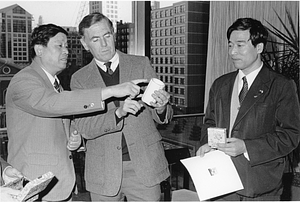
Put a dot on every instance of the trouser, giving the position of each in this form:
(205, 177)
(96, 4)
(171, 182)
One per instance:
(131, 188)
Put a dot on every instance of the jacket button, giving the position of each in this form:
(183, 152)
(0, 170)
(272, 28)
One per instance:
(119, 148)
(70, 156)
(85, 106)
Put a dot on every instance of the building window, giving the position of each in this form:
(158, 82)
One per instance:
(176, 81)
(19, 26)
(166, 70)
(182, 70)
(181, 91)
(18, 10)
(176, 90)
(182, 102)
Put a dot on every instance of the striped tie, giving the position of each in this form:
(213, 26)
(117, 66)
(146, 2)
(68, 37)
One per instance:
(244, 90)
(109, 70)
(57, 86)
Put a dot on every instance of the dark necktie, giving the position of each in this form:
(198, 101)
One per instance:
(244, 90)
(109, 70)
(57, 86)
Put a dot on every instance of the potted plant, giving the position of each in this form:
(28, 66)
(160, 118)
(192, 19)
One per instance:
(282, 53)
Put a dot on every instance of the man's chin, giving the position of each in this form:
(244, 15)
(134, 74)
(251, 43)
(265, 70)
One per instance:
(237, 65)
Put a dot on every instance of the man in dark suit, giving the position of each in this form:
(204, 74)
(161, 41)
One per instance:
(36, 106)
(124, 155)
(260, 110)
(8, 174)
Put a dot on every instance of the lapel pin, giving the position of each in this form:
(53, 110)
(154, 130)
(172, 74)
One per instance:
(260, 91)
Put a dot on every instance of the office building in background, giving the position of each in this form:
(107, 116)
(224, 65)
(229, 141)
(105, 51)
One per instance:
(16, 28)
(108, 8)
(179, 35)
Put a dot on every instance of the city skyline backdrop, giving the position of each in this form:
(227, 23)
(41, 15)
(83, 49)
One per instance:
(65, 13)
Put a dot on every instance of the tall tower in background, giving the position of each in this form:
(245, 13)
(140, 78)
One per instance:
(108, 8)
(179, 35)
(40, 22)
(16, 28)
(155, 5)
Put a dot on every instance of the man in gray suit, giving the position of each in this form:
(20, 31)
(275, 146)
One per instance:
(124, 154)
(36, 105)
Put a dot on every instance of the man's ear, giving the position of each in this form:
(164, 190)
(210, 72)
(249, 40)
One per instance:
(84, 44)
(260, 47)
(38, 49)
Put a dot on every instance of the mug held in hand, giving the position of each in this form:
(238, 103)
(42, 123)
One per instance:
(154, 84)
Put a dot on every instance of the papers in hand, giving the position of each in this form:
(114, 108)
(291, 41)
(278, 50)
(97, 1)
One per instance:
(213, 175)
(30, 189)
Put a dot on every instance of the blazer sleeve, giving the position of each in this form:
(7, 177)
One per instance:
(32, 95)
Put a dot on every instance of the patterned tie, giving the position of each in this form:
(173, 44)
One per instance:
(109, 70)
(57, 86)
(244, 90)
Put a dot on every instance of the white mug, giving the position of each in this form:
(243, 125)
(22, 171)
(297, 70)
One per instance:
(154, 84)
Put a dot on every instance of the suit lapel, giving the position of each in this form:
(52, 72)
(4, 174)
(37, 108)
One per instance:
(226, 93)
(259, 87)
(38, 68)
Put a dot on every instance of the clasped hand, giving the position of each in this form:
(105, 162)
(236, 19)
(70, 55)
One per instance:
(161, 100)
(233, 147)
(133, 106)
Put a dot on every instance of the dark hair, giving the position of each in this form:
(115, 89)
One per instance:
(42, 34)
(258, 33)
(91, 19)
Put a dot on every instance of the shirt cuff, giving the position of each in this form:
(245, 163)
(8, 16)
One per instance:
(102, 104)
(247, 156)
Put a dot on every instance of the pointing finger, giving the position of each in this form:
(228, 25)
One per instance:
(137, 81)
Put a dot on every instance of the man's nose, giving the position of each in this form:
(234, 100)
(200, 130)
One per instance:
(103, 42)
(233, 50)
(66, 50)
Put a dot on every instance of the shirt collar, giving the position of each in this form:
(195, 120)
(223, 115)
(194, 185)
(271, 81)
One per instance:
(51, 78)
(114, 63)
(250, 77)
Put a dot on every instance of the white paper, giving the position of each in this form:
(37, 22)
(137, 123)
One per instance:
(213, 175)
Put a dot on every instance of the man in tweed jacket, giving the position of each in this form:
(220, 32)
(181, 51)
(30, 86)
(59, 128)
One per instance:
(124, 154)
